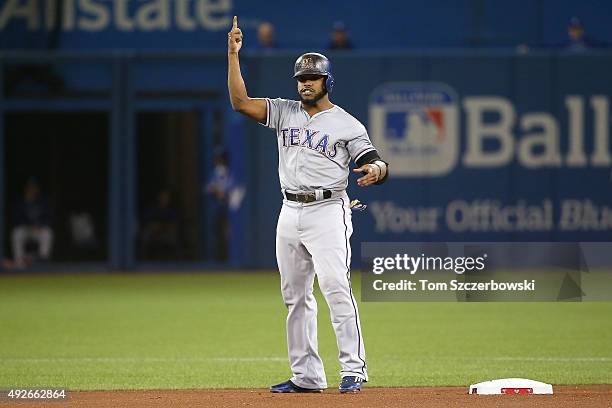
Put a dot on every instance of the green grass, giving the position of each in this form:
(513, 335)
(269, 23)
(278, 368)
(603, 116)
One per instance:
(227, 330)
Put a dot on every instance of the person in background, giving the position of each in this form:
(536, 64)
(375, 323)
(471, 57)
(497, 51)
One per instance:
(32, 220)
(340, 39)
(265, 37)
(219, 187)
(160, 229)
(577, 40)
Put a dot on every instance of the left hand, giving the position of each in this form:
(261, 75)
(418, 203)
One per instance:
(371, 174)
(234, 38)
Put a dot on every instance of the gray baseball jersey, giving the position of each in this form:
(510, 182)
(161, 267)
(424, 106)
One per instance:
(314, 152)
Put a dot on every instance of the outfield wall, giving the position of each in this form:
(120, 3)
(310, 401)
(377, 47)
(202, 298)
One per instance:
(482, 145)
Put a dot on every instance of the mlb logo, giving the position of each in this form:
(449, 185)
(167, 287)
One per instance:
(415, 127)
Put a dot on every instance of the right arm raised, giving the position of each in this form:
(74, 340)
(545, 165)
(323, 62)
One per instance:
(255, 108)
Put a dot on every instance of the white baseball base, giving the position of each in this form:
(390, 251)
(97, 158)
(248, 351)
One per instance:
(511, 386)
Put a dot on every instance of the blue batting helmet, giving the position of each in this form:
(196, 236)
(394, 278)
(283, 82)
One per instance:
(313, 63)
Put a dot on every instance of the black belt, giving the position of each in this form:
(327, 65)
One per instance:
(306, 197)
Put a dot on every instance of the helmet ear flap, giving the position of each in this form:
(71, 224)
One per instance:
(329, 82)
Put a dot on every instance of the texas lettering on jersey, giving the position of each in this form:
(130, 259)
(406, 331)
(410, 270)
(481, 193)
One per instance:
(311, 139)
(314, 151)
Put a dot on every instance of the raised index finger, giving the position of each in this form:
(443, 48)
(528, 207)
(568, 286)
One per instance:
(235, 23)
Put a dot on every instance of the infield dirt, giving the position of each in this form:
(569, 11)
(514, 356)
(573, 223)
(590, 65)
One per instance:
(429, 397)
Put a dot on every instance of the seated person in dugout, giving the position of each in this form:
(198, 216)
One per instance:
(32, 220)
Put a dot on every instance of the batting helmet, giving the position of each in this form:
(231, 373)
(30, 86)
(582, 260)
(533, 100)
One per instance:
(313, 63)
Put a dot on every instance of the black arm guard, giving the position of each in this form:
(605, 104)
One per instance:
(371, 157)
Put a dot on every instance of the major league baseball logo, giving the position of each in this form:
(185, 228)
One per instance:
(415, 126)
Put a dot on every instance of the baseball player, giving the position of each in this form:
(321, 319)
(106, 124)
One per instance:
(316, 141)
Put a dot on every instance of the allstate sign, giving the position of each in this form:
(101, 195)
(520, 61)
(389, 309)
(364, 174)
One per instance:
(415, 126)
(120, 15)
